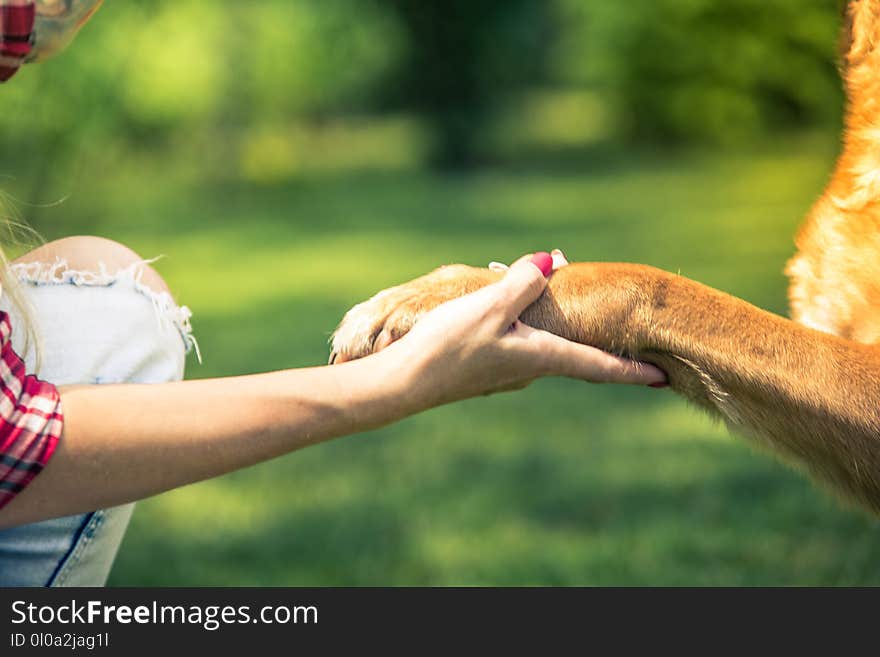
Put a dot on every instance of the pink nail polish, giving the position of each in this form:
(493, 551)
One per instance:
(543, 261)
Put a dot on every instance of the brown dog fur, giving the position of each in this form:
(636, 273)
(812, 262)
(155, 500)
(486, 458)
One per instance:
(809, 389)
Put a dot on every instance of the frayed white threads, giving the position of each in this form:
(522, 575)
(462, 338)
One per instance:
(58, 273)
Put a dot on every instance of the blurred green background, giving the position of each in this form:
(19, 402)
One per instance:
(291, 157)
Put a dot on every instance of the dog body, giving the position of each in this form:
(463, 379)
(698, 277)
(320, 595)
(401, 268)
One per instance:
(835, 277)
(808, 389)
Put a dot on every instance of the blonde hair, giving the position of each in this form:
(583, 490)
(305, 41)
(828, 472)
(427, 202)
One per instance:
(16, 233)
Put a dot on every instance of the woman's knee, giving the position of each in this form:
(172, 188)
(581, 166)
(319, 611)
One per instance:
(89, 253)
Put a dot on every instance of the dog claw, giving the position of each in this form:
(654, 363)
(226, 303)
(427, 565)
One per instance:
(338, 357)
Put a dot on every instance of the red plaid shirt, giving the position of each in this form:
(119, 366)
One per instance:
(30, 420)
(16, 34)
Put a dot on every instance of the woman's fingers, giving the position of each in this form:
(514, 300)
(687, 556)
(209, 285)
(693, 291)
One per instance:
(559, 259)
(565, 358)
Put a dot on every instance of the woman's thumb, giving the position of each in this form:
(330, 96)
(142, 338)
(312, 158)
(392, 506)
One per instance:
(524, 283)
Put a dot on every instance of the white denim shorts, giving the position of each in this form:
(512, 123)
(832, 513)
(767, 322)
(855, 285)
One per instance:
(91, 328)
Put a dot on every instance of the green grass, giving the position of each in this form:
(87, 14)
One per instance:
(563, 483)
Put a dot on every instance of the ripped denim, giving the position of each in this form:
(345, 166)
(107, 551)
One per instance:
(94, 328)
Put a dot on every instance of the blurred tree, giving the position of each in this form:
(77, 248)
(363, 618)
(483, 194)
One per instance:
(148, 72)
(705, 70)
(153, 73)
(464, 58)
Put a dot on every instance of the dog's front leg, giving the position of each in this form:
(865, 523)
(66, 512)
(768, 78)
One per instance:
(812, 397)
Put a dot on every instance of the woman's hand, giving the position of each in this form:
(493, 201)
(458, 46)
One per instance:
(476, 345)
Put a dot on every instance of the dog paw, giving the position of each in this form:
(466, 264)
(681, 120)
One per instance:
(372, 325)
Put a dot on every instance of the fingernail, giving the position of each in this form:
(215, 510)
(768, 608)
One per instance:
(543, 261)
(559, 259)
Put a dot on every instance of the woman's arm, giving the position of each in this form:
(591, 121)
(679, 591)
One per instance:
(126, 442)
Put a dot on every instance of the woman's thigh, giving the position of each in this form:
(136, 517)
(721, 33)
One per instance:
(99, 315)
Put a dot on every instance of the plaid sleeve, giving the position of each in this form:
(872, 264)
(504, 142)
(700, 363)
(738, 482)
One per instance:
(30, 420)
(16, 36)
